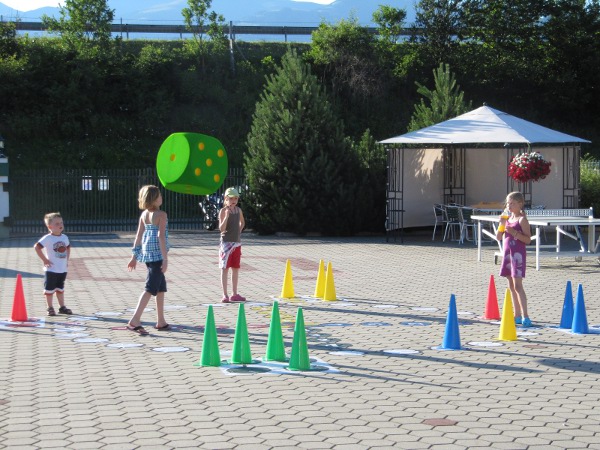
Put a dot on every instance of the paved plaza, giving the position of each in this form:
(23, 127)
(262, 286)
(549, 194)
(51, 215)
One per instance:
(85, 382)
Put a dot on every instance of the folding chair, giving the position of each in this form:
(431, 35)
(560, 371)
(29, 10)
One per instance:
(453, 215)
(439, 212)
(466, 222)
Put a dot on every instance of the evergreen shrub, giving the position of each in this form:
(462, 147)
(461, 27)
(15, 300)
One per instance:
(303, 173)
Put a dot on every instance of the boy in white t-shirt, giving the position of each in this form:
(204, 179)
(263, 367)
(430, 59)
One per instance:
(54, 250)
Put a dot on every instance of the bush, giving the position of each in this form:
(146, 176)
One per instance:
(590, 184)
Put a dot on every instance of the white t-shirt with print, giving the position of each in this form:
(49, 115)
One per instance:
(56, 248)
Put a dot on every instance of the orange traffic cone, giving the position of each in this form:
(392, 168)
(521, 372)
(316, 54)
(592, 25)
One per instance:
(491, 307)
(19, 311)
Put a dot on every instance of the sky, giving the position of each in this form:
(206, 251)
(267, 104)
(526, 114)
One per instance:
(28, 5)
(320, 2)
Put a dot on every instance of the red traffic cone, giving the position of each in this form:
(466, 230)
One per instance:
(19, 311)
(491, 307)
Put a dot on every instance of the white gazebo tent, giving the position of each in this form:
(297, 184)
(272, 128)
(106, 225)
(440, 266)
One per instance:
(465, 160)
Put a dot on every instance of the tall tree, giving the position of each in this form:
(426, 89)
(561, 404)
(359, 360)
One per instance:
(8, 39)
(347, 58)
(82, 22)
(571, 44)
(436, 27)
(345, 50)
(302, 174)
(445, 101)
(504, 37)
(202, 22)
(390, 22)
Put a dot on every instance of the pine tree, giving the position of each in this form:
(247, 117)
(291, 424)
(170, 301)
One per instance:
(300, 166)
(445, 101)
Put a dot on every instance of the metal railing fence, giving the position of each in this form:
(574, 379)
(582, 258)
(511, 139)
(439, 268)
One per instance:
(99, 200)
(125, 29)
(590, 165)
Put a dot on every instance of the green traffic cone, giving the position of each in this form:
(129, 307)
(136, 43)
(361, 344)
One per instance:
(299, 359)
(210, 345)
(241, 342)
(275, 345)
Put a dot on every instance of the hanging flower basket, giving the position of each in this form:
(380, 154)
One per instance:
(526, 167)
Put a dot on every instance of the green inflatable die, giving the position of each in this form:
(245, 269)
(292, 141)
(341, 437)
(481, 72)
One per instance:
(191, 163)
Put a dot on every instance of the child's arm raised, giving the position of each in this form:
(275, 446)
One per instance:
(223, 216)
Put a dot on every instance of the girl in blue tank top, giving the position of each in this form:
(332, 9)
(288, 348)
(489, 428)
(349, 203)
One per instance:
(150, 247)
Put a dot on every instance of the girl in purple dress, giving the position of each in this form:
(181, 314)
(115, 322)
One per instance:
(516, 234)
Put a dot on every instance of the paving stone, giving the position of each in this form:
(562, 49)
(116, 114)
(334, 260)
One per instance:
(531, 394)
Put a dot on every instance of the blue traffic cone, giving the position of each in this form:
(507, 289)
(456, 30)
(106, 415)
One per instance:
(580, 324)
(566, 320)
(451, 335)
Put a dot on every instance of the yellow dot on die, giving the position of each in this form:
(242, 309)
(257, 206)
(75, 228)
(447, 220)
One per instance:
(220, 153)
(172, 157)
(209, 162)
(201, 146)
(217, 178)
(198, 171)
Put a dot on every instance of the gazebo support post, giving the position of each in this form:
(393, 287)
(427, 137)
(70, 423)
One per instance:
(394, 209)
(454, 174)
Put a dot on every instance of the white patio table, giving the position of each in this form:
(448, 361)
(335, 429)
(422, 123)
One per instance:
(537, 222)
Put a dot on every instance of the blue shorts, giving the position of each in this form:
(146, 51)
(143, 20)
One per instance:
(155, 280)
(54, 282)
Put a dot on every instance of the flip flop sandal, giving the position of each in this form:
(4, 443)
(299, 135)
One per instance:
(139, 330)
(163, 328)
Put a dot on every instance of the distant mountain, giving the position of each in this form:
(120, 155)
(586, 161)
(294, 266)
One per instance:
(240, 12)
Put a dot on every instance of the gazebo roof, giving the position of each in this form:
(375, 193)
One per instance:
(485, 125)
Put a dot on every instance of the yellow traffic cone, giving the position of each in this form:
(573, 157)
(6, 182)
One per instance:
(320, 287)
(508, 329)
(329, 294)
(287, 291)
